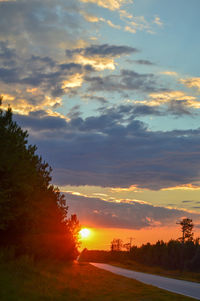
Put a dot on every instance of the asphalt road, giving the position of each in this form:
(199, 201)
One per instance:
(186, 288)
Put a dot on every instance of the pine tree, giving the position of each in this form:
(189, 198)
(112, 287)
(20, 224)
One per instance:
(186, 228)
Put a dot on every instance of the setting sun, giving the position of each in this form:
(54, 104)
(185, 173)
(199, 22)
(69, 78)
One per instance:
(84, 233)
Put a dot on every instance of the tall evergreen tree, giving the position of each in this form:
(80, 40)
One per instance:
(186, 228)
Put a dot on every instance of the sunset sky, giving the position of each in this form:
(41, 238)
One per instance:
(109, 92)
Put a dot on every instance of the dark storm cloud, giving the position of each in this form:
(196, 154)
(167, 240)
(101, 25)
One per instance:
(113, 150)
(104, 50)
(124, 214)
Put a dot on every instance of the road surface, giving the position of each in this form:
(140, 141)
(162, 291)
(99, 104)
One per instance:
(186, 288)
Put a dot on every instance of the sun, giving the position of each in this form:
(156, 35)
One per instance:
(84, 233)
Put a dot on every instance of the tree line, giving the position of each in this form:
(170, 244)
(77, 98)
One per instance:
(182, 253)
(33, 212)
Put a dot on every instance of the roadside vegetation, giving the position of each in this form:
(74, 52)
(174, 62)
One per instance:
(33, 212)
(25, 279)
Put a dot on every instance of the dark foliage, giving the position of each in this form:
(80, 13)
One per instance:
(173, 255)
(103, 256)
(186, 228)
(33, 212)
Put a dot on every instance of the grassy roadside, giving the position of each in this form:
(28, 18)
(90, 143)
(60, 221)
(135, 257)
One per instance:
(23, 280)
(131, 265)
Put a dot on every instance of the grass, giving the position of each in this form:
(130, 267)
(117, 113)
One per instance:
(184, 275)
(24, 280)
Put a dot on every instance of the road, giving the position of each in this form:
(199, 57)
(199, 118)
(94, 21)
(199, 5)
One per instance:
(186, 288)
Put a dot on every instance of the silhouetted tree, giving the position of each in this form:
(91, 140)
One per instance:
(186, 228)
(33, 212)
(116, 244)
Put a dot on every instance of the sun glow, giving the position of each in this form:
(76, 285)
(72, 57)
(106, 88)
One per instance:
(84, 233)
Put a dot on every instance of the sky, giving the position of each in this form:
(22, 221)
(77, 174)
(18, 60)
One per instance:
(109, 92)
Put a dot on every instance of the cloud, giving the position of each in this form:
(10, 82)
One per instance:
(178, 101)
(103, 50)
(94, 19)
(99, 99)
(193, 82)
(38, 27)
(158, 21)
(130, 214)
(172, 102)
(170, 73)
(37, 82)
(34, 70)
(127, 80)
(144, 62)
(115, 149)
(44, 121)
(183, 187)
(189, 201)
(109, 4)
(130, 29)
(100, 57)
(125, 14)
(135, 23)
